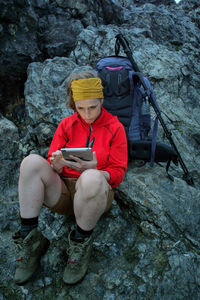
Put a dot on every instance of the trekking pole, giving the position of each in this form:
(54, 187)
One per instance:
(122, 40)
(186, 176)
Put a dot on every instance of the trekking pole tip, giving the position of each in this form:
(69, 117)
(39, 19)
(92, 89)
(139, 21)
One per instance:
(189, 179)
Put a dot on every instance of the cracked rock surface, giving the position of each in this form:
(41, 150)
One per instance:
(148, 245)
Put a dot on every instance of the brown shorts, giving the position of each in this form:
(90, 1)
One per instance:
(64, 206)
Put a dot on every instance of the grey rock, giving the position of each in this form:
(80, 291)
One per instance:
(176, 207)
(158, 3)
(59, 40)
(10, 154)
(80, 5)
(32, 31)
(8, 139)
(44, 133)
(147, 246)
(50, 98)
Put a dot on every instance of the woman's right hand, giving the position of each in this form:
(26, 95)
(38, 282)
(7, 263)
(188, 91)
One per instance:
(57, 161)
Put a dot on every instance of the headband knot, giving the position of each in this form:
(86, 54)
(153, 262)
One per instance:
(87, 88)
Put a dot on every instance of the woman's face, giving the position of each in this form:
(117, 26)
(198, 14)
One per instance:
(89, 109)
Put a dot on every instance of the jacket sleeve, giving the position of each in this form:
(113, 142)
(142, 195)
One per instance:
(118, 157)
(59, 139)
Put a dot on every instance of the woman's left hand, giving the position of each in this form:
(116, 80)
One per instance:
(81, 165)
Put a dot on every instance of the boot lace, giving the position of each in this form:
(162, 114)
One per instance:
(76, 251)
(21, 250)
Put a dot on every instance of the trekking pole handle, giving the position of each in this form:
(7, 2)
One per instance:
(122, 40)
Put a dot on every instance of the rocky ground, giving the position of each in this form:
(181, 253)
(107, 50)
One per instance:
(148, 245)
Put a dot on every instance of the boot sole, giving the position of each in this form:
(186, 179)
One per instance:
(73, 283)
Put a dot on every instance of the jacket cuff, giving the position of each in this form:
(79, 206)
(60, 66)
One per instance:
(115, 177)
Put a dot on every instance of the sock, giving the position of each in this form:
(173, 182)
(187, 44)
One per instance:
(79, 234)
(27, 225)
(83, 232)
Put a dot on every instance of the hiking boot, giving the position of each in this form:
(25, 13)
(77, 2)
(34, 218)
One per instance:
(30, 249)
(78, 258)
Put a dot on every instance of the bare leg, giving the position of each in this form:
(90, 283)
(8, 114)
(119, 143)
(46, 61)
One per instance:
(38, 184)
(90, 199)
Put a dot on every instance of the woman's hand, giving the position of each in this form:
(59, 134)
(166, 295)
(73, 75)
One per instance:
(57, 161)
(81, 165)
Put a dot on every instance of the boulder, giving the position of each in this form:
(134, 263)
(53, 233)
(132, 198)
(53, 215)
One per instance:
(147, 246)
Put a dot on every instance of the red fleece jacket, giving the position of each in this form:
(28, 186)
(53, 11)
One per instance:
(110, 143)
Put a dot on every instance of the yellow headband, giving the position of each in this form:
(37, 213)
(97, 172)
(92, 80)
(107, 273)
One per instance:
(88, 88)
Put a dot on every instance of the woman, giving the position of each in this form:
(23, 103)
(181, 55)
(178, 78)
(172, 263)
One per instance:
(82, 188)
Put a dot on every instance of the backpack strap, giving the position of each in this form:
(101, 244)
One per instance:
(148, 94)
(155, 127)
(131, 73)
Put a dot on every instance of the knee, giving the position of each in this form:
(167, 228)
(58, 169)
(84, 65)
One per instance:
(92, 181)
(32, 163)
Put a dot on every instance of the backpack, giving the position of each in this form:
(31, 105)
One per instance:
(129, 95)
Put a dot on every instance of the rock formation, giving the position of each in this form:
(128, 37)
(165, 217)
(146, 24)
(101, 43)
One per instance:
(147, 246)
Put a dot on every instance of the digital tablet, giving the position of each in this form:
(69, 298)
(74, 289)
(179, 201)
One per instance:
(82, 153)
